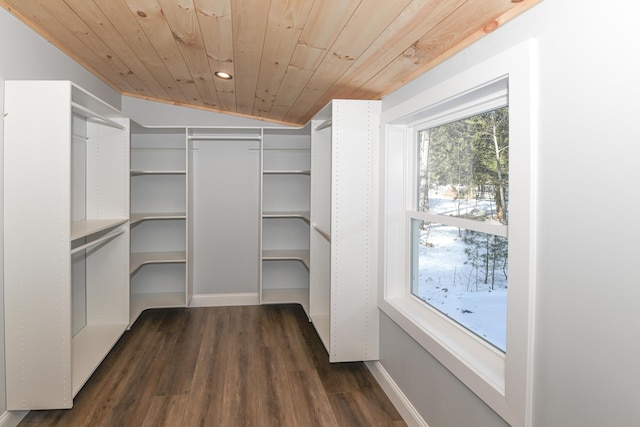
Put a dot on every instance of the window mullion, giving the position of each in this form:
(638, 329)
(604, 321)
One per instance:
(488, 227)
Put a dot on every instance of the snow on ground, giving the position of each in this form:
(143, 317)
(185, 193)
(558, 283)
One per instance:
(456, 288)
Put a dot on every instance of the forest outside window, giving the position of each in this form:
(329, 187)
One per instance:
(462, 182)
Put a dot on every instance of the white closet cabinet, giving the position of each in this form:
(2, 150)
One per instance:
(66, 239)
(343, 303)
(158, 219)
(286, 170)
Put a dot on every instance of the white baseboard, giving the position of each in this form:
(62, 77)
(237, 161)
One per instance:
(221, 300)
(395, 394)
(12, 418)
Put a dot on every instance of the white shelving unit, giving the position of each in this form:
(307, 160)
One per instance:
(103, 221)
(66, 241)
(286, 170)
(159, 256)
(343, 286)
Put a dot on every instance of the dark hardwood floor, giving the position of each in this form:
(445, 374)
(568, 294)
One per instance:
(224, 366)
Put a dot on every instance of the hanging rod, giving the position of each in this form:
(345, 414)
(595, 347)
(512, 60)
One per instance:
(281, 149)
(326, 124)
(157, 149)
(92, 115)
(104, 238)
(226, 137)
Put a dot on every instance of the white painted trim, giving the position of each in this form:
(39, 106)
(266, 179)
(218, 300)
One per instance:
(220, 300)
(408, 412)
(12, 418)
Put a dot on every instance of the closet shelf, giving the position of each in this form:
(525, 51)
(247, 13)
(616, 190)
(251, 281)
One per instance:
(304, 215)
(137, 260)
(89, 226)
(93, 116)
(149, 216)
(287, 172)
(157, 172)
(287, 255)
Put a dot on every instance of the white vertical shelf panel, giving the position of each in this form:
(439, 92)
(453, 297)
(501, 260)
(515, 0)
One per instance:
(189, 270)
(344, 308)
(45, 285)
(42, 172)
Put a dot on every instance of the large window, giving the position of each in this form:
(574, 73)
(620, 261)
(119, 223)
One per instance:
(459, 226)
(463, 175)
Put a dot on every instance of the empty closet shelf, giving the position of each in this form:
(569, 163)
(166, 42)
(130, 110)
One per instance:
(89, 226)
(304, 215)
(139, 259)
(287, 255)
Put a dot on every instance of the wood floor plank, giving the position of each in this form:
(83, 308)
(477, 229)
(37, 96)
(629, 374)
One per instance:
(349, 409)
(166, 411)
(130, 407)
(177, 377)
(289, 339)
(313, 405)
(239, 400)
(224, 366)
(205, 405)
(275, 401)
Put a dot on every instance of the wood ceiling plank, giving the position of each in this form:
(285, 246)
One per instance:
(45, 23)
(123, 22)
(249, 27)
(324, 24)
(286, 22)
(469, 23)
(214, 18)
(182, 19)
(366, 24)
(417, 19)
(100, 27)
(292, 84)
(77, 26)
(149, 16)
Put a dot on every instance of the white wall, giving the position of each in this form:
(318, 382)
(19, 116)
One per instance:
(588, 274)
(149, 113)
(25, 55)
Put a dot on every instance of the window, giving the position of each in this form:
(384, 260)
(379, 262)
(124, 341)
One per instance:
(462, 172)
(459, 225)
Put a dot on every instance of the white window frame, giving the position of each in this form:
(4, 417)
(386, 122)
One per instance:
(502, 381)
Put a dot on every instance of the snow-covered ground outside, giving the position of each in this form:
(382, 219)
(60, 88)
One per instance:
(455, 288)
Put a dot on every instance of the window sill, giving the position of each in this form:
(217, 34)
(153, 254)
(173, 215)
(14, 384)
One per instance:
(480, 366)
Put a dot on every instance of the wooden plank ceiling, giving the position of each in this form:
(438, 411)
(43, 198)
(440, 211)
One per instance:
(288, 58)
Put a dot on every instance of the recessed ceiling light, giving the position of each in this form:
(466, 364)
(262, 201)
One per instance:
(223, 75)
